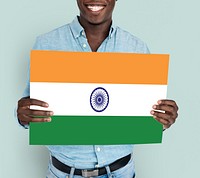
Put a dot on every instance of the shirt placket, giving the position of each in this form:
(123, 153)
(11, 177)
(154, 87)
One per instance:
(82, 40)
(100, 155)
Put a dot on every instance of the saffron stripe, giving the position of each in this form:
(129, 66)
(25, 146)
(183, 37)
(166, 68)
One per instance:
(90, 67)
(98, 130)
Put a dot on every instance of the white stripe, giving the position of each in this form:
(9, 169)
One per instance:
(74, 98)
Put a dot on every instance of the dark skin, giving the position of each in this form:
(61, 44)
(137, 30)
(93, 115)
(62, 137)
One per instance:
(96, 25)
(27, 115)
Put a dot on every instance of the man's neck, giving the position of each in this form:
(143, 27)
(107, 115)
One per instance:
(96, 33)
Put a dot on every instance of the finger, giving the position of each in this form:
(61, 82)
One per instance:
(38, 103)
(47, 119)
(24, 102)
(161, 120)
(27, 119)
(24, 123)
(32, 112)
(168, 102)
(166, 108)
(165, 116)
(24, 118)
(166, 126)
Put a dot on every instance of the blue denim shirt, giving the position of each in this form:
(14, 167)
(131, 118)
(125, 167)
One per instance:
(71, 37)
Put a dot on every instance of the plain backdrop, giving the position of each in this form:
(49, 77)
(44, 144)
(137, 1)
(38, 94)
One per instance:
(167, 26)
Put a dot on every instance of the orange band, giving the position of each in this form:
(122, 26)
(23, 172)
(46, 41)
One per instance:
(93, 67)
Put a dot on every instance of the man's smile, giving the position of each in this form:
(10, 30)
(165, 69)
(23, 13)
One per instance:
(96, 11)
(95, 8)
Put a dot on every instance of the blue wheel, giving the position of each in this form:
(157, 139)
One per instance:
(99, 99)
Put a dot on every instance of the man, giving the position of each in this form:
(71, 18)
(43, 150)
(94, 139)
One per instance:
(92, 31)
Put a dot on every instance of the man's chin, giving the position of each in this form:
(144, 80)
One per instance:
(97, 21)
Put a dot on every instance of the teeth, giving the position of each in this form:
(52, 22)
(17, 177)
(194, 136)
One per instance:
(95, 8)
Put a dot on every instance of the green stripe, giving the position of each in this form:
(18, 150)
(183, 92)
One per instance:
(96, 130)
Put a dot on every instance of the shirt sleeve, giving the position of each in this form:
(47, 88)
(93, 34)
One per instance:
(27, 88)
(26, 91)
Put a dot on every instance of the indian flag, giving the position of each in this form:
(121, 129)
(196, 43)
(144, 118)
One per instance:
(98, 98)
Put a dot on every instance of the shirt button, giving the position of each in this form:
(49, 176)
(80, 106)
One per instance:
(96, 166)
(84, 45)
(83, 33)
(98, 149)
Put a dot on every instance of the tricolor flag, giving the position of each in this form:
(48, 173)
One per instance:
(98, 98)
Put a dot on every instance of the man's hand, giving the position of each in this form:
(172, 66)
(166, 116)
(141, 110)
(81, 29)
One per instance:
(165, 112)
(26, 115)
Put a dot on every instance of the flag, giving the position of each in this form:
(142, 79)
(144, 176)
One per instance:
(98, 98)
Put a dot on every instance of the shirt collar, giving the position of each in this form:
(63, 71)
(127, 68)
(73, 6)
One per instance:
(78, 30)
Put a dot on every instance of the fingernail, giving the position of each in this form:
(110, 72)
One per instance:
(152, 112)
(51, 113)
(46, 105)
(154, 106)
(154, 117)
(48, 119)
(159, 102)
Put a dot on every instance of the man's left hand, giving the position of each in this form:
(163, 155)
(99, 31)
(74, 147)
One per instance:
(165, 112)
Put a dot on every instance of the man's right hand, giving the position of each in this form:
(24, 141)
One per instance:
(27, 115)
